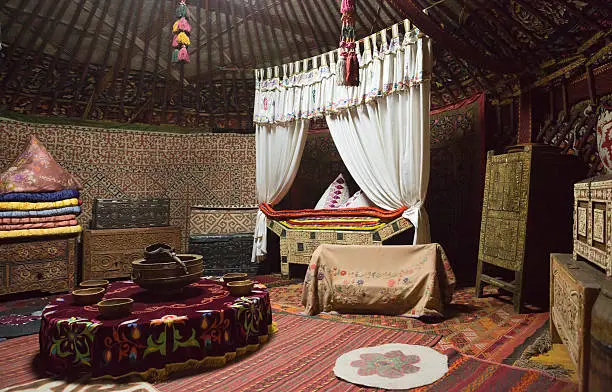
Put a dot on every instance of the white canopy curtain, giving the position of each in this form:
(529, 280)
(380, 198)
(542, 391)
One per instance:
(279, 150)
(381, 127)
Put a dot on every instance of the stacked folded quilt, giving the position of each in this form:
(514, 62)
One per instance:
(26, 214)
(37, 196)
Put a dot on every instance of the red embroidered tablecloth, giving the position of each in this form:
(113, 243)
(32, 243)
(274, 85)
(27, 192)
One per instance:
(203, 326)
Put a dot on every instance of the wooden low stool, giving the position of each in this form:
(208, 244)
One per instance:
(574, 287)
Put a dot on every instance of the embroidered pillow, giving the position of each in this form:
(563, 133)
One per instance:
(35, 170)
(359, 199)
(336, 193)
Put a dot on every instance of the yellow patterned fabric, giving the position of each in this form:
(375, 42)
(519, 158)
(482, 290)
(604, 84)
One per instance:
(334, 223)
(40, 232)
(27, 206)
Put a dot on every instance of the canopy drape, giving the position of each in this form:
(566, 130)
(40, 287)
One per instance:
(381, 127)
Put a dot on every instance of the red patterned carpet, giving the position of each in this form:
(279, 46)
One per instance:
(302, 355)
(486, 328)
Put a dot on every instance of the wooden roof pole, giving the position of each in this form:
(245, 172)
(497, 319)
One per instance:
(415, 14)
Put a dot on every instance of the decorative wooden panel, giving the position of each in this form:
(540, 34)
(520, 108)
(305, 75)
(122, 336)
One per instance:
(573, 290)
(504, 211)
(593, 221)
(526, 215)
(109, 253)
(46, 265)
(297, 246)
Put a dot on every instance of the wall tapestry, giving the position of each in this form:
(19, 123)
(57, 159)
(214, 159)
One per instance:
(200, 169)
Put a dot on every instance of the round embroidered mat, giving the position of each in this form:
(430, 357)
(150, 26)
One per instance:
(392, 366)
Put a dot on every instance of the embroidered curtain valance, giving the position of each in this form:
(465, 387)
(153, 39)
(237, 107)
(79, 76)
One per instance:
(307, 89)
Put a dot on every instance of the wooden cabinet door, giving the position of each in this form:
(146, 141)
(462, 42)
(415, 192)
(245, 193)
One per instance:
(504, 210)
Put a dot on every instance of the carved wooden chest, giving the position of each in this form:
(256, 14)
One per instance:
(526, 215)
(225, 253)
(222, 219)
(573, 290)
(126, 213)
(297, 246)
(46, 265)
(109, 253)
(593, 221)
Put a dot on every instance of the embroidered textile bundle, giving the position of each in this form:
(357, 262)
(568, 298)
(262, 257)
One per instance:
(181, 30)
(347, 68)
(37, 196)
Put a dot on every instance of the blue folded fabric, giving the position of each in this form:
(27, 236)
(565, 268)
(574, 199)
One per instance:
(52, 212)
(40, 196)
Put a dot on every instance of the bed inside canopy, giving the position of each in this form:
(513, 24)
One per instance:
(380, 127)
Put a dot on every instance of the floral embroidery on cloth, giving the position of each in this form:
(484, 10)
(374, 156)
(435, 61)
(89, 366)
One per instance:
(392, 366)
(35, 170)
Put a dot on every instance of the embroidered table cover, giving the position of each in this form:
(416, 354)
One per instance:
(203, 326)
(408, 280)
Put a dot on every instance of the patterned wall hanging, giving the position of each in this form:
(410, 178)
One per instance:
(347, 68)
(181, 30)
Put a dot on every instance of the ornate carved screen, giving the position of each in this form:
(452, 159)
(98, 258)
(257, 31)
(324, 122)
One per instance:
(504, 210)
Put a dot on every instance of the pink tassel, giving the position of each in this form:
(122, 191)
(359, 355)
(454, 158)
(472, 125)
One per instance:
(175, 43)
(183, 54)
(183, 25)
(347, 6)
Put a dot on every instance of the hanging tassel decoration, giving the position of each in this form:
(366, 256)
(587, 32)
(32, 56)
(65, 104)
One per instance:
(181, 30)
(347, 68)
(183, 55)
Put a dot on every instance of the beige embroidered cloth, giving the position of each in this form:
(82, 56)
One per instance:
(408, 280)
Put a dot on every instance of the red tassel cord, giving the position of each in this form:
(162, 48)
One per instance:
(347, 68)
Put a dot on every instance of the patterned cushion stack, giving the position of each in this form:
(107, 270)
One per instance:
(37, 196)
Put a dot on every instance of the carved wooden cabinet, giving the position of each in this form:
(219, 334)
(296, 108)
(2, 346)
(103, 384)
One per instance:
(526, 215)
(109, 253)
(38, 264)
(593, 221)
(574, 287)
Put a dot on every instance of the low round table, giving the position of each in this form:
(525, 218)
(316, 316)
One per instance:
(203, 326)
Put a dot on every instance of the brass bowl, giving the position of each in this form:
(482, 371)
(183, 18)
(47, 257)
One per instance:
(87, 296)
(115, 307)
(234, 276)
(162, 278)
(240, 288)
(86, 284)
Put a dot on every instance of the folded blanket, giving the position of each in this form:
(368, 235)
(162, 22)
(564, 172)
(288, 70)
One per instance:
(40, 225)
(36, 219)
(40, 232)
(40, 196)
(334, 223)
(51, 212)
(45, 205)
(374, 212)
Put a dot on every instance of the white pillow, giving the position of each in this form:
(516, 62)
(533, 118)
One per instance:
(359, 199)
(336, 194)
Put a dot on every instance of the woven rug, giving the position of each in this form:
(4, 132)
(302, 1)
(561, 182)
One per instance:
(47, 384)
(302, 355)
(300, 343)
(21, 317)
(487, 328)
